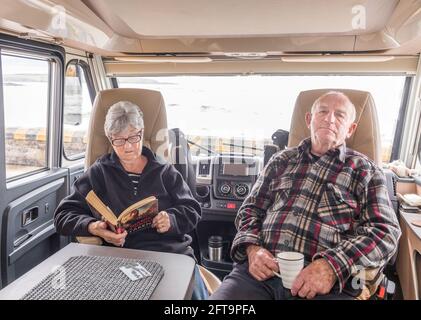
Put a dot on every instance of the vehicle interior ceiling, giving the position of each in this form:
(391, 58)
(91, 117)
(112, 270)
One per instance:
(165, 38)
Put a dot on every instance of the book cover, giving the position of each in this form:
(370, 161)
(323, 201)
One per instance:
(137, 216)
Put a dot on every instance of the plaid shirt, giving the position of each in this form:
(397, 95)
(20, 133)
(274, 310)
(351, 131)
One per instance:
(334, 207)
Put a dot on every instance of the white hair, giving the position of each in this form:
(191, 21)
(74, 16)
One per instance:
(339, 94)
(121, 115)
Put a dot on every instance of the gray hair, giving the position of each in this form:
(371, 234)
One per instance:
(121, 115)
(339, 94)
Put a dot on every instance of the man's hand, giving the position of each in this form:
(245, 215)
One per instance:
(317, 278)
(100, 229)
(261, 263)
(161, 222)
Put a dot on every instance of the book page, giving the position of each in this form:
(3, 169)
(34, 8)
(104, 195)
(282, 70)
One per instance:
(102, 209)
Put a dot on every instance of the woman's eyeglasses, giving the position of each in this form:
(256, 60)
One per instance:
(122, 141)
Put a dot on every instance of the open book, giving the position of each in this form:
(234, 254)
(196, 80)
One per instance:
(138, 216)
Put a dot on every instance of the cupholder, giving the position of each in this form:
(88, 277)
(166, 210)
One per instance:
(203, 192)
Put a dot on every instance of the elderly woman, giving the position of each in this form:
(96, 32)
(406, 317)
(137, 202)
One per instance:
(128, 174)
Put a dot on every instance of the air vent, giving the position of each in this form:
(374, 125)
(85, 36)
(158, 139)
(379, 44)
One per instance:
(203, 171)
(247, 55)
(204, 168)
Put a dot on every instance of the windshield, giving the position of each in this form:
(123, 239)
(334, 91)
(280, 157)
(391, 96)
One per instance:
(240, 113)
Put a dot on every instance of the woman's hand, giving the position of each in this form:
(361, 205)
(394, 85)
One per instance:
(161, 222)
(100, 229)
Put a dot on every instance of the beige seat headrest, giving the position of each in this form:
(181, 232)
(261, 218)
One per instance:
(366, 138)
(151, 103)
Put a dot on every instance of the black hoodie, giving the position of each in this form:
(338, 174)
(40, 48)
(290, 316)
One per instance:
(115, 188)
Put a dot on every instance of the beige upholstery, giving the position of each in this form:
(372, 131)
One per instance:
(154, 114)
(97, 241)
(366, 138)
(212, 282)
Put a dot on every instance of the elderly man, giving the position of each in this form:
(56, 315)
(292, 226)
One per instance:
(321, 199)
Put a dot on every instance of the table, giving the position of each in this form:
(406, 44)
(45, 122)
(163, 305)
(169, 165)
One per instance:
(176, 284)
(408, 263)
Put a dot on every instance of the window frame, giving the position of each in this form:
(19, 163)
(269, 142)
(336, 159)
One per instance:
(92, 93)
(54, 55)
(403, 110)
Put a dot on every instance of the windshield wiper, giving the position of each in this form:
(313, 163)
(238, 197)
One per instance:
(201, 147)
(240, 146)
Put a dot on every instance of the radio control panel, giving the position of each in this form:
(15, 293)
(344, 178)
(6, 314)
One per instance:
(225, 181)
(233, 178)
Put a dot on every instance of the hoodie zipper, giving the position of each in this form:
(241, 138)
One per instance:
(135, 178)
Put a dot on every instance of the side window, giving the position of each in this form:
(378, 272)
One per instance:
(26, 107)
(78, 97)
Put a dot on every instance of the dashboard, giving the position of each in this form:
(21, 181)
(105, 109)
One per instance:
(224, 181)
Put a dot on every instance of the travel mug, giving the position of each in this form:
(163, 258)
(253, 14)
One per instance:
(215, 245)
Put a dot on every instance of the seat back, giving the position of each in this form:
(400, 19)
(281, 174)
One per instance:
(151, 103)
(181, 158)
(366, 138)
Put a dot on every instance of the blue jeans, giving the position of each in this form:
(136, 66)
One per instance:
(199, 290)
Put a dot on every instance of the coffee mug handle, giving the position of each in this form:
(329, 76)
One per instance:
(277, 274)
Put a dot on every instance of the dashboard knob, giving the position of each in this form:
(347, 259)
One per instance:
(241, 190)
(225, 189)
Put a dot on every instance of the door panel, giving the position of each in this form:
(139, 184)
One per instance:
(28, 227)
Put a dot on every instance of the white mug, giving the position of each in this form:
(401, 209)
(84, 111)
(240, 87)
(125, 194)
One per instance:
(290, 264)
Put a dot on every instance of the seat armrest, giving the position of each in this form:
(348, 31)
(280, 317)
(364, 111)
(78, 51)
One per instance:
(369, 274)
(90, 240)
(212, 282)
